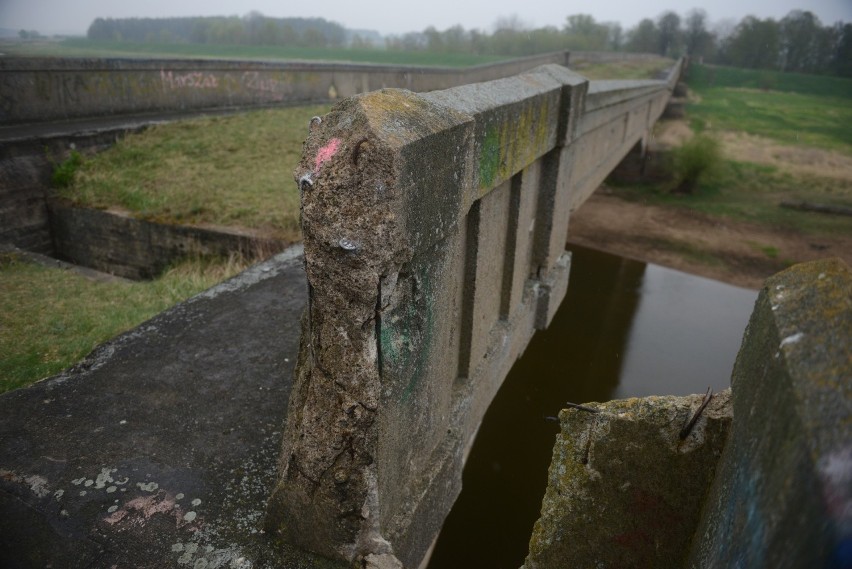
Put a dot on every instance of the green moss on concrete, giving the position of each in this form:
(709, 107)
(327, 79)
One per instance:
(623, 489)
(782, 497)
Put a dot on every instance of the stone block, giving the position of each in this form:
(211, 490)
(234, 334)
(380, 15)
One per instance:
(624, 490)
(783, 495)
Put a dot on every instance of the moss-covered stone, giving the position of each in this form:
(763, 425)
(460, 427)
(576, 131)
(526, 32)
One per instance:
(783, 496)
(624, 490)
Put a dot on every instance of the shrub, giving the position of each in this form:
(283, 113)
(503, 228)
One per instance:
(694, 160)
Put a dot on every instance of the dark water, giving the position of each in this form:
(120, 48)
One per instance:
(625, 329)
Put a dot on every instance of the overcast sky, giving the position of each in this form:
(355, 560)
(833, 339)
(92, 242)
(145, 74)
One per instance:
(74, 16)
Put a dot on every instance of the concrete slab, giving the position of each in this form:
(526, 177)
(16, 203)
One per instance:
(160, 448)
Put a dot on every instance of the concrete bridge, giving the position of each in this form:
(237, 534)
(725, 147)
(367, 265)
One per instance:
(434, 229)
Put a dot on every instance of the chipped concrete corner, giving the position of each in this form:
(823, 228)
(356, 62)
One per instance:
(624, 489)
(762, 478)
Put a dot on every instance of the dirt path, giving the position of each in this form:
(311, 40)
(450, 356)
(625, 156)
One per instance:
(735, 252)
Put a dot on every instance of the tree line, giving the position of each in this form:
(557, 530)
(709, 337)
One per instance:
(252, 29)
(798, 42)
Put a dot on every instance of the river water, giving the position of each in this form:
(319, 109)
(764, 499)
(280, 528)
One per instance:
(625, 329)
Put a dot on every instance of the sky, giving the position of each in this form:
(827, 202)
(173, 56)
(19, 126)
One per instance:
(74, 16)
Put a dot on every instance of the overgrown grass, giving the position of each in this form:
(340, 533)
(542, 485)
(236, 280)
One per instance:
(806, 110)
(234, 170)
(51, 317)
(753, 193)
(80, 47)
(650, 69)
(696, 159)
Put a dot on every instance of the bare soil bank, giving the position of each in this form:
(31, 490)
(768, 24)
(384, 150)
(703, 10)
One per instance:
(735, 252)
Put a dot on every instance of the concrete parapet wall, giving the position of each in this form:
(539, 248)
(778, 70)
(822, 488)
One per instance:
(434, 229)
(783, 492)
(139, 249)
(48, 89)
(25, 172)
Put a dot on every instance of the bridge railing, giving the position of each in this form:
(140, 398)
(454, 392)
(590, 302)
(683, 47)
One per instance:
(434, 228)
(40, 89)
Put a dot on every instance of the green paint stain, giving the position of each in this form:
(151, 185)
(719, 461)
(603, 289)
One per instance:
(406, 336)
(489, 158)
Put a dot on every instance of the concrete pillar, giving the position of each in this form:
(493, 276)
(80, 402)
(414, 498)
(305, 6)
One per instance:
(434, 232)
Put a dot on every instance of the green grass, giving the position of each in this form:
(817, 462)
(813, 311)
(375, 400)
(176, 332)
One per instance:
(750, 192)
(51, 317)
(703, 77)
(624, 69)
(804, 110)
(80, 47)
(234, 170)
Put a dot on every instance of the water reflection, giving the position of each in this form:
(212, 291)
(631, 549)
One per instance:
(625, 329)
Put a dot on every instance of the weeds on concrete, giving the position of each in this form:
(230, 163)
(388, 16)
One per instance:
(63, 173)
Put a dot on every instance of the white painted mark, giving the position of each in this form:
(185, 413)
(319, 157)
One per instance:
(189, 516)
(792, 339)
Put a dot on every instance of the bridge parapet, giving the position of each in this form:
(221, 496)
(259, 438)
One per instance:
(434, 229)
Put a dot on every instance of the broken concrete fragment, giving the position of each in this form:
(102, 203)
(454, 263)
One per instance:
(624, 490)
(783, 494)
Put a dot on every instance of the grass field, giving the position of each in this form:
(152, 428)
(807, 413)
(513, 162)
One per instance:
(80, 47)
(703, 77)
(808, 110)
(51, 317)
(234, 170)
(624, 69)
(726, 101)
(752, 192)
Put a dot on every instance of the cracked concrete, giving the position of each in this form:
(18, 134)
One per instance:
(161, 447)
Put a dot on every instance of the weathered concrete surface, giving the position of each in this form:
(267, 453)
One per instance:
(49, 89)
(434, 230)
(624, 490)
(410, 213)
(160, 448)
(139, 249)
(783, 494)
(26, 165)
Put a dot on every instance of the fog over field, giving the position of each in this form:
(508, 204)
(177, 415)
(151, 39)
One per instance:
(61, 16)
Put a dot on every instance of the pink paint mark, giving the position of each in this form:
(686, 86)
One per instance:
(326, 152)
(137, 511)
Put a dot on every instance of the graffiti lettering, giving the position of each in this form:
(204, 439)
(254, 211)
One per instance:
(192, 80)
(253, 80)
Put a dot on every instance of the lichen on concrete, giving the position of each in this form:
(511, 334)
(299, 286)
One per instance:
(624, 490)
(783, 495)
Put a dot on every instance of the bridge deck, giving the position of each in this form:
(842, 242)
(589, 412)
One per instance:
(162, 445)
